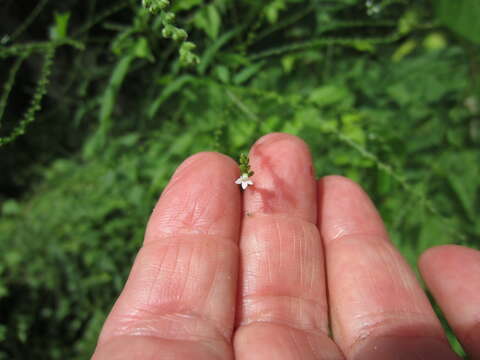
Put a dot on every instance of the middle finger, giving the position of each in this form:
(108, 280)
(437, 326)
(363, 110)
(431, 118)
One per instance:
(283, 305)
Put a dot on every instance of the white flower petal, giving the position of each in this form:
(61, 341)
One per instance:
(244, 181)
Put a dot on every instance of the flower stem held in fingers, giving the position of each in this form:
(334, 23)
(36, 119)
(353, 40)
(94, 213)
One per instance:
(244, 179)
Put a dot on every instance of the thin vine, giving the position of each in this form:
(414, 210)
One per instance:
(7, 88)
(325, 42)
(43, 47)
(35, 103)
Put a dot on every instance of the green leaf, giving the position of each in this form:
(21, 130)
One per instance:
(169, 90)
(208, 19)
(294, 126)
(107, 105)
(288, 62)
(273, 9)
(270, 124)
(385, 182)
(247, 73)
(408, 22)
(59, 30)
(352, 128)
(433, 233)
(211, 51)
(3, 333)
(142, 49)
(461, 16)
(462, 171)
(400, 93)
(404, 50)
(435, 41)
(185, 4)
(241, 132)
(329, 95)
(363, 45)
(223, 73)
(110, 94)
(10, 208)
(129, 140)
(182, 143)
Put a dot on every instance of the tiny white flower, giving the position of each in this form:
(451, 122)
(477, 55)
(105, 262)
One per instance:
(244, 180)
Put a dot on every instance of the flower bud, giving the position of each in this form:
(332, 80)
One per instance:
(179, 35)
(169, 16)
(163, 4)
(167, 32)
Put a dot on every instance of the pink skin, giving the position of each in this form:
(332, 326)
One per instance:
(216, 279)
(452, 274)
(282, 308)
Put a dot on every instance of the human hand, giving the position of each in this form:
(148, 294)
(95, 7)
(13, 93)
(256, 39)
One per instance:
(218, 281)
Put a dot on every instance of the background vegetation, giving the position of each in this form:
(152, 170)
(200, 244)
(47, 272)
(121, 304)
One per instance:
(101, 100)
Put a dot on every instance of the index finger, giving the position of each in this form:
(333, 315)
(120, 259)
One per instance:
(179, 300)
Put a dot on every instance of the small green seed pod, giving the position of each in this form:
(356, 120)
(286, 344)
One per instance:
(179, 35)
(163, 4)
(169, 17)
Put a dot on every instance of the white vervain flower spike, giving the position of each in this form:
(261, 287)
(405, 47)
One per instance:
(244, 179)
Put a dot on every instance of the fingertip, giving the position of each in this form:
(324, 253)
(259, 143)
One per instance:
(284, 180)
(446, 257)
(201, 198)
(341, 185)
(431, 256)
(344, 208)
(208, 160)
(285, 148)
(280, 151)
(278, 136)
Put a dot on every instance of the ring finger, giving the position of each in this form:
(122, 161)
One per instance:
(378, 310)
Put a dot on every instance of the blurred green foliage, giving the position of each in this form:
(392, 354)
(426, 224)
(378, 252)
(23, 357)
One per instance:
(380, 90)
